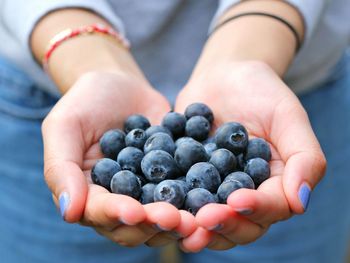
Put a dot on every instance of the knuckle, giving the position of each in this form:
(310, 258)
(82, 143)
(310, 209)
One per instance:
(50, 170)
(320, 163)
(51, 120)
(323, 163)
(45, 124)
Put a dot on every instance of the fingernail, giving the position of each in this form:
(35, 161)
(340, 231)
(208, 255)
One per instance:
(304, 195)
(64, 203)
(217, 227)
(159, 228)
(244, 211)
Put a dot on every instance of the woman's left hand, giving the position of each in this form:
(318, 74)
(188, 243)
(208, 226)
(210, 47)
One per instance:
(252, 93)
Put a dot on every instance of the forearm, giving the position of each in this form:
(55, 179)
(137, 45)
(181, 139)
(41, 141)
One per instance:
(254, 38)
(82, 54)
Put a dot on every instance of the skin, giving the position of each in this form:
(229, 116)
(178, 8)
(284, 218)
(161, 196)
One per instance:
(108, 86)
(241, 81)
(238, 75)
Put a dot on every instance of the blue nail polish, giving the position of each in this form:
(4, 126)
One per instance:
(159, 228)
(64, 203)
(304, 195)
(244, 211)
(218, 227)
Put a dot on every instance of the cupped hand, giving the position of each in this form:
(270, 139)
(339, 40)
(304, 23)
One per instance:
(253, 94)
(97, 102)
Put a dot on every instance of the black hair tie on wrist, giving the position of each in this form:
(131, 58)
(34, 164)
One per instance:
(292, 29)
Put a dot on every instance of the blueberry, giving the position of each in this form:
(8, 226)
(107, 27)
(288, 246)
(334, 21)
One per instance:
(136, 138)
(142, 180)
(210, 139)
(183, 184)
(203, 175)
(232, 136)
(258, 169)
(210, 148)
(147, 195)
(157, 128)
(199, 109)
(188, 153)
(159, 141)
(170, 191)
(112, 142)
(184, 139)
(182, 178)
(240, 162)
(159, 165)
(197, 198)
(175, 122)
(224, 161)
(130, 159)
(198, 128)
(258, 147)
(226, 188)
(126, 183)
(103, 171)
(216, 198)
(136, 121)
(245, 179)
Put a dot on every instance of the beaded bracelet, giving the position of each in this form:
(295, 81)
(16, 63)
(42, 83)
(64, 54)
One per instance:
(69, 33)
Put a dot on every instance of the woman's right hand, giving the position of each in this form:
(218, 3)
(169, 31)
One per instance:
(97, 102)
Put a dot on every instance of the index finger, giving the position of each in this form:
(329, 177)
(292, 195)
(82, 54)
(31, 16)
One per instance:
(63, 152)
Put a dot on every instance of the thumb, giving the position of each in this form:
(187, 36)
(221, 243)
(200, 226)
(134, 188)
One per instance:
(305, 161)
(302, 172)
(63, 153)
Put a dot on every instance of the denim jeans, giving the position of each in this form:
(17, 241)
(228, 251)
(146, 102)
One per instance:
(31, 229)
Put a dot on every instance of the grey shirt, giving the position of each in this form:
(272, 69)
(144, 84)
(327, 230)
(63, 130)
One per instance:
(167, 36)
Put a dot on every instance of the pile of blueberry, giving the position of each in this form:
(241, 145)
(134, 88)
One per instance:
(176, 162)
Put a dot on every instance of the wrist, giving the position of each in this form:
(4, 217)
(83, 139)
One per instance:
(257, 38)
(116, 84)
(90, 53)
(236, 70)
(83, 53)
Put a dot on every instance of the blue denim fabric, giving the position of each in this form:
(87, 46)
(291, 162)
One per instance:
(322, 234)
(31, 230)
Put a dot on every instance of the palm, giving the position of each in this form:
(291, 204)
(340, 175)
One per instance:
(108, 110)
(117, 98)
(71, 133)
(258, 102)
(258, 99)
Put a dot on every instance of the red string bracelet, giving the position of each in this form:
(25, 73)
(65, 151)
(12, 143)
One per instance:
(69, 33)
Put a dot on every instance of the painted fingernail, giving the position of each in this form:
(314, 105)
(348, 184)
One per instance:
(159, 228)
(244, 211)
(304, 195)
(217, 227)
(64, 201)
